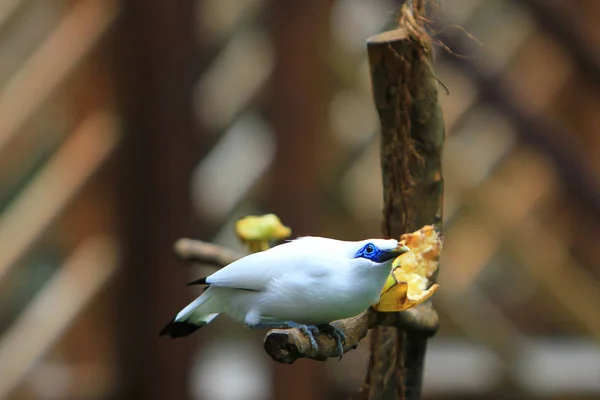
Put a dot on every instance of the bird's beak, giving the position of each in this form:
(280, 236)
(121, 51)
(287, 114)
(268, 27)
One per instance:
(393, 253)
(401, 249)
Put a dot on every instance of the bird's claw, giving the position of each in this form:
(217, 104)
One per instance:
(310, 331)
(314, 329)
(338, 335)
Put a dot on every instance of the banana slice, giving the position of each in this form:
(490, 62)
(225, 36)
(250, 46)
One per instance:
(409, 283)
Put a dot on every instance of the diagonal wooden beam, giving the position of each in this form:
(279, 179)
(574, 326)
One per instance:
(54, 308)
(55, 186)
(8, 9)
(539, 249)
(532, 128)
(35, 81)
(564, 27)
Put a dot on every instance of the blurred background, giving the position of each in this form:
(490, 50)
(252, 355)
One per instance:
(125, 125)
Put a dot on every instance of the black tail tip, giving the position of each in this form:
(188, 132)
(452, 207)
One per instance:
(201, 281)
(177, 329)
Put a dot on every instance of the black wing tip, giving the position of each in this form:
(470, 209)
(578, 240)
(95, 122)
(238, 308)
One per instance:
(177, 329)
(201, 281)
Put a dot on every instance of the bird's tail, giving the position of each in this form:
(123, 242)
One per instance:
(193, 317)
(176, 329)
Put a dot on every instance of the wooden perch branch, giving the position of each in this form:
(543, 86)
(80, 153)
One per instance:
(196, 251)
(288, 345)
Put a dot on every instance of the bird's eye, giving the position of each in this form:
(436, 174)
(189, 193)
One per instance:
(369, 249)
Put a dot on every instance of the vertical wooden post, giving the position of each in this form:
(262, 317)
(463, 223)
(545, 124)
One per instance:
(412, 137)
(155, 62)
(297, 109)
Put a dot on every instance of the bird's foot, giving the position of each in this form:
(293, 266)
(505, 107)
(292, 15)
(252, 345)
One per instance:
(337, 335)
(310, 331)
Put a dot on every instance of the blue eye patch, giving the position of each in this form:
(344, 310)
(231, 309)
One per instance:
(373, 253)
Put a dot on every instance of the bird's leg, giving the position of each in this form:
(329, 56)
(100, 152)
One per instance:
(336, 334)
(308, 330)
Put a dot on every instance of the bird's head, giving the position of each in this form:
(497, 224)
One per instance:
(379, 251)
(365, 252)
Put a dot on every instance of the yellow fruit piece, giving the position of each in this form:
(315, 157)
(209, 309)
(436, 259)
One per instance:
(391, 281)
(255, 231)
(412, 272)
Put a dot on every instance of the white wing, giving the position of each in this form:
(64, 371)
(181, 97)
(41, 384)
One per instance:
(255, 271)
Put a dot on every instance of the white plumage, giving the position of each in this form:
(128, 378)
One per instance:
(307, 281)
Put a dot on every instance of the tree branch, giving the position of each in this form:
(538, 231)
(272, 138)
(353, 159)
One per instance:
(288, 345)
(197, 251)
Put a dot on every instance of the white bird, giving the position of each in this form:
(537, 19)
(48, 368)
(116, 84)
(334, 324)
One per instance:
(305, 283)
